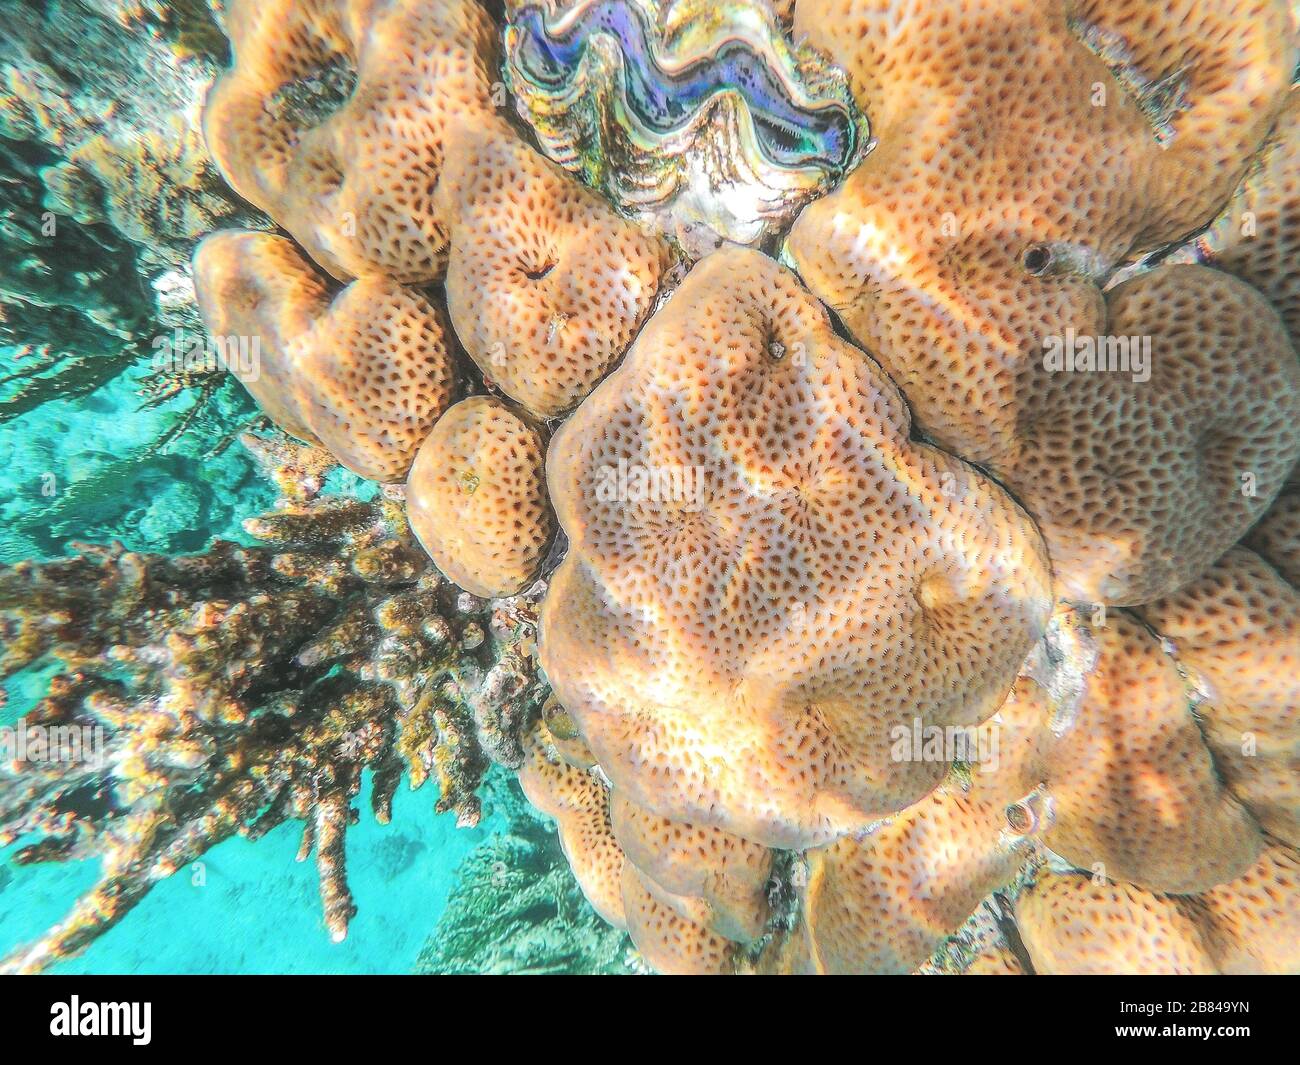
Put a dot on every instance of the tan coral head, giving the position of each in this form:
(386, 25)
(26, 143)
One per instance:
(365, 372)
(476, 497)
(336, 118)
(767, 578)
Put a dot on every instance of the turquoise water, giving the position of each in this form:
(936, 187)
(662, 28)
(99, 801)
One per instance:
(81, 469)
(250, 908)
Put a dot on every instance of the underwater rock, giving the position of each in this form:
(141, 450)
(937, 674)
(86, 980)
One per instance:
(71, 299)
(105, 186)
(516, 909)
(698, 116)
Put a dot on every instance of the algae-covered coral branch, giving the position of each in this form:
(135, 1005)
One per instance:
(105, 185)
(229, 691)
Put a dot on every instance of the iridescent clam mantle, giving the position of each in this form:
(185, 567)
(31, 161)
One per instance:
(697, 117)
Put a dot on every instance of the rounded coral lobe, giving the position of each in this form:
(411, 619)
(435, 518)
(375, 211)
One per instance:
(337, 117)
(767, 576)
(546, 284)
(476, 498)
(366, 372)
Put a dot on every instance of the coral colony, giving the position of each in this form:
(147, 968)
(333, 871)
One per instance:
(840, 456)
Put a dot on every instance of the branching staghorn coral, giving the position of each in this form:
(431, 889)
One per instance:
(246, 686)
(114, 187)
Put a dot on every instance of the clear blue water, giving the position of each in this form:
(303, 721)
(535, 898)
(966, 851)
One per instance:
(255, 910)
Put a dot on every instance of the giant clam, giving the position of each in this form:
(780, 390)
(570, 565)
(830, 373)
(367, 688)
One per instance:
(697, 117)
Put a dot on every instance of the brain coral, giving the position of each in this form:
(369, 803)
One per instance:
(365, 372)
(1020, 159)
(546, 285)
(767, 577)
(727, 874)
(579, 802)
(476, 497)
(776, 584)
(671, 942)
(1134, 793)
(1140, 480)
(335, 119)
(1238, 629)
(1075, 924)
(1277, 536)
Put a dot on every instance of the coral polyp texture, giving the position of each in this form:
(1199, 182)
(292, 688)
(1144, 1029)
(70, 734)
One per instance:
(1237, 630)
(546, 283)
(835, 463)
(1107, 459)
(957, 291)
(336, 118)
(761, 551)
(477, 497)
(1254, 236)
(697, 116)
(1074, 924)
(966, 261)
(366, 372)
(1131, 787)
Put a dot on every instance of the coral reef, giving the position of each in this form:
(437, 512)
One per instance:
(690, 896)
(1131, 786)
(962, 294)
(1253, 237)
(1076, 924)
(967, 647)
(546, 284)
(1236, 631)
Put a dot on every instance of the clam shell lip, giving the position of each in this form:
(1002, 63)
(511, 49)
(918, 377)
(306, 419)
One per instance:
(668, 86)
(693, 117)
